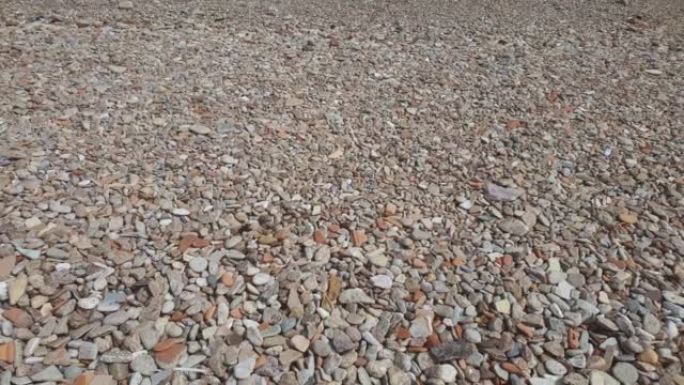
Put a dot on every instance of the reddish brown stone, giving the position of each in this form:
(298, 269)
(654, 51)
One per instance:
(8, 352)
(18, 317)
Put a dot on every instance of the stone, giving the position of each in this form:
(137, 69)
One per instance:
(144, 364)
(126, 4)
(300, 343)
(513, 226)
(87, 351)
(382, 281)
(597, 377)
(445, 372)
(355, 295)
(198, 264)
(626, 373)
(244, 368)
(495, 192)
(49, 374)
(555, 367)
(341, 342)
(200, 129)
(575, 378)
(452, 350)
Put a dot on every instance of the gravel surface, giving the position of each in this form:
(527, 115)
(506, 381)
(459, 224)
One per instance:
(342, 192)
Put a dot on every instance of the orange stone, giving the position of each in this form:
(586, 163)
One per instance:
(511, 368)
(260, 361)
(236, 313)
(18, 317)
(170, 355)
(319, 237)
(209, 313)
(267, 258)
(573, 339)
(390, 209)
(432, 341)
(528, 331)
(228, 279)
(177, 316)
(382, 224)
(359, 238)
(403, 333)
(7, 352)
(458, 261)
(84, 378)
(419, 263)
(166, 344)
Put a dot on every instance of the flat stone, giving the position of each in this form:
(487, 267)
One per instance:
(513, 226)
(598, 377)
(87, 351)
(244, 368)
(49, 374)
(355, 295)
(452, 350)
(300, 343)
(382, 281)
(144, 364)
(555, 367)
(198, 264)
(626, 373)
(200, 129)
(495, 192)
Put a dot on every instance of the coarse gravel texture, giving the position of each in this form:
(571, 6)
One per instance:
(337, 192)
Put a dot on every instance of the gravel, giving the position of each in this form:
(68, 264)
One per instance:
(371, 193)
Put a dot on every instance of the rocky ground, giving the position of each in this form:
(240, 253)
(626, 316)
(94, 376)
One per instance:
(341, 192)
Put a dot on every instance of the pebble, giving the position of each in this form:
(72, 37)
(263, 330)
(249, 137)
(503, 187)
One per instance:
(300, 343)
(626, 373)
(354, 296)
(198, 264)
(382, 281)
(49, 374)
(451, 350)
(144, 364)
(244, 368)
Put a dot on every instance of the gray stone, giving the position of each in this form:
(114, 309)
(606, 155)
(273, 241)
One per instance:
(49, 374)
(495, 192)
(355, 295)
(144, 364)
(626, 373)
(244, 368)
(555, 367)
(198, 264)
(341, 342)
(452, 350)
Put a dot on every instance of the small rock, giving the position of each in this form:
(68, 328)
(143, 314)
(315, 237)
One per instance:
(181, 212)
(87, 351)
(126, 4)
(445, 372)
(626, 373)
(261, 279)
(575, 378)
(200, 129)
(198, 264)
(49, 374)
(355, 295)
(452, 350)
(598, 377)
(495, 192)
(513, 226)
(300, 343)
(144, 364)
(555, 367)
(244, 368)
(382, 281)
